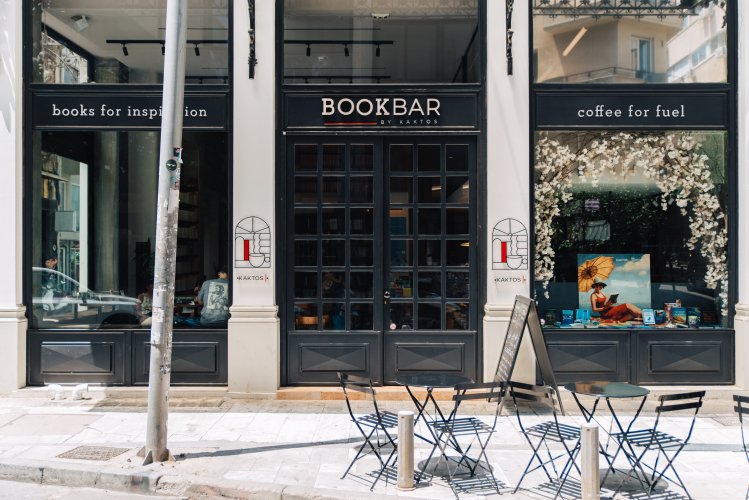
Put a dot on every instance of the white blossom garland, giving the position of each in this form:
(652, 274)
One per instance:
(675, 163)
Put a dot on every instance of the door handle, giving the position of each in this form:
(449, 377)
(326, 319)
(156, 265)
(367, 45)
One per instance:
(386, 297)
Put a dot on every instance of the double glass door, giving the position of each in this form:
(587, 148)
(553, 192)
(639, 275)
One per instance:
(381, 256)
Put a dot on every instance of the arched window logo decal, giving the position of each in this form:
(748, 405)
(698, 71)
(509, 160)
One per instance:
(510, 245)
(252, 249)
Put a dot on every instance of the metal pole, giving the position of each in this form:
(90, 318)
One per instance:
(405, 450)
(590, 482)
(167, 214)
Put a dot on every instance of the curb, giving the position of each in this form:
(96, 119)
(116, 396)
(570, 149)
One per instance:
(146, 481)
(83, 475)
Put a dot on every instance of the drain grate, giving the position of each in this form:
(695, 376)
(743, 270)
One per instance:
(98, 453)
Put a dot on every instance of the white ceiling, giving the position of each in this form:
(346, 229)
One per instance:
(143, 20)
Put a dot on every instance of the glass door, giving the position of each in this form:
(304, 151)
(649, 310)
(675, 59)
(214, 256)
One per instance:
(430, 277)
(379, 255)
(334, 312)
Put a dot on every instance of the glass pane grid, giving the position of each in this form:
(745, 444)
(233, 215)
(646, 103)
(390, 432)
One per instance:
(440, 207)
(340, 222)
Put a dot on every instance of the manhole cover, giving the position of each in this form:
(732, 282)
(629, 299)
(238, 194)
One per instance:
(98, 453)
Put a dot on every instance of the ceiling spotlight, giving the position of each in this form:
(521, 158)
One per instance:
(124, 49)
(380, 15)
(163, 49)
(377, 51)
(80, 22)
(197, 50)
(309, 50)
(346, 51)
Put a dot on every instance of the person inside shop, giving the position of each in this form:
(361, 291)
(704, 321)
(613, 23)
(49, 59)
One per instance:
(213, 297)
(607, 307)
(146, 305)
(52, 284)
(332, 285)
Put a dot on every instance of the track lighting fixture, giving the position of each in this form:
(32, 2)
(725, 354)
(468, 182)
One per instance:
(125, 42)
(346, 50)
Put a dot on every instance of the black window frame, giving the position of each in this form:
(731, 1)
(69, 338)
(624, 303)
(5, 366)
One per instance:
(32, 89)
(728, 89)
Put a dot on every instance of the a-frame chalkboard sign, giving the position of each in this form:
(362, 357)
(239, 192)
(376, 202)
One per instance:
(524, 313)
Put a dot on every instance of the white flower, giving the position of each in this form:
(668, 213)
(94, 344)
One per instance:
(674, 162)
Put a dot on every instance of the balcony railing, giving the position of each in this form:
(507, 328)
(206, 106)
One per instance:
(619, 8)
(610, 74)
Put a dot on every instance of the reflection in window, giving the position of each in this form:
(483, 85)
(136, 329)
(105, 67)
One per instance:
(401, 316)
(429, 316)
(305, 316)
(334, 316)
(653, 204)
(340, 41)
(362, 316)
(401, 284)
(361, 285)
(456, 316)
(604, 45)
(93, 230)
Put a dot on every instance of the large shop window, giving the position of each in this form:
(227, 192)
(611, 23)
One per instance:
(671, 41)
(632, 226)
(94, 226)
(340, 41)
(108, 42)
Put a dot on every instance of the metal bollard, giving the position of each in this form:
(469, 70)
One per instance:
(405, 450)
(590, 482)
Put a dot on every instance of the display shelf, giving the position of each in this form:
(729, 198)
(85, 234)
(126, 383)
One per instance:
(189, 264)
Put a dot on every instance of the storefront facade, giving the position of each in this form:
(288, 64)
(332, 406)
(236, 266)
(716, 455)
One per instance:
(381, 181)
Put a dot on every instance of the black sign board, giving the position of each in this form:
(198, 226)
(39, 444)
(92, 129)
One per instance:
(514, 336)
(417, 111)
(122, 111)
(673, 111)
(524, 313)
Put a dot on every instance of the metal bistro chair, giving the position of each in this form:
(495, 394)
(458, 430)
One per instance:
(449, 431)
(664, 444)
(373, 427)
(742, 408)
(545, 432)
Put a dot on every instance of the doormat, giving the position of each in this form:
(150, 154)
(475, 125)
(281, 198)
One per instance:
(98, 453)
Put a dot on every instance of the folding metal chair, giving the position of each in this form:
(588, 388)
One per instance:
(542, 433)
(373, 427)
(662, 443)
(742, 408)
(462, 433)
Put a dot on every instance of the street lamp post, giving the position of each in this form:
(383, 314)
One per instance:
(167, 215)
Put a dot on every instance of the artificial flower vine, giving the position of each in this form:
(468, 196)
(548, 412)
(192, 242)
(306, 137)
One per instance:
(674, 161)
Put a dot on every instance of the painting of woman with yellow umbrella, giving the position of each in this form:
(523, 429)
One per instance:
(633, 272)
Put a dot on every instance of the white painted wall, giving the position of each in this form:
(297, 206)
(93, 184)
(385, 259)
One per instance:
(12, 320)
(508, 177)
(254, 338)
(741, 320)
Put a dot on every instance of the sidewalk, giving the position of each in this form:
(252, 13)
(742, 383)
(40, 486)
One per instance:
(287, 449)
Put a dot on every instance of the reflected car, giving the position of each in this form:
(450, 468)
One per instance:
(59, 300)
